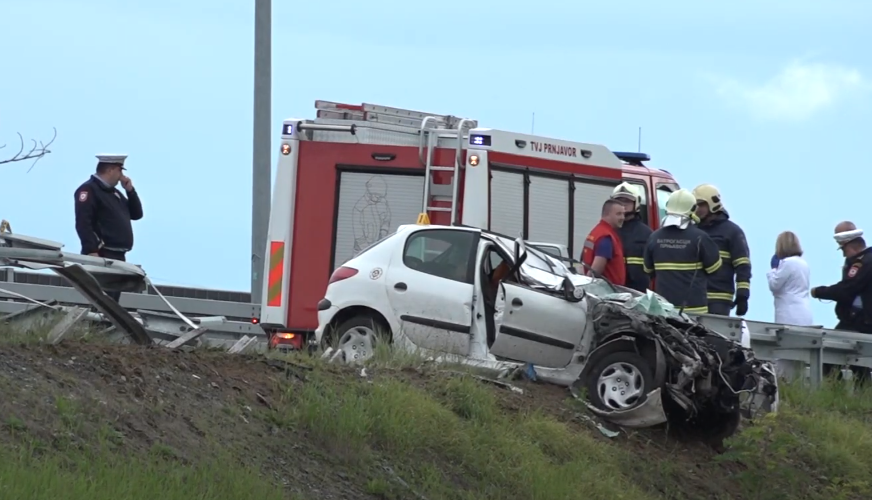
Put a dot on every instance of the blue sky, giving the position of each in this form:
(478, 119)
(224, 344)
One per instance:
(768, 100)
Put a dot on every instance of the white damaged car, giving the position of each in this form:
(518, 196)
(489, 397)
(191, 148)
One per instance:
(459, 292)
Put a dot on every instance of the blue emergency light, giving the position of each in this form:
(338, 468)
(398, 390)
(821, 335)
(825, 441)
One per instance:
(288, 129)
(480, 140)
(632, 158)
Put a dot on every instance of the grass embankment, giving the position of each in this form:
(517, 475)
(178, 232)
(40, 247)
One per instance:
(407, 429)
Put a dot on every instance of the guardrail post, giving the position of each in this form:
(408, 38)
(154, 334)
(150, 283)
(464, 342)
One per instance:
(816, 365)
(812, 342)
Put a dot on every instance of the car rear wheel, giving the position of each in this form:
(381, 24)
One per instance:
(619, 381)
(356, 338)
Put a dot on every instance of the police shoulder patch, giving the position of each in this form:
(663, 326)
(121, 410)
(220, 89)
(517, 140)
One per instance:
(854, 270)
(83, 195)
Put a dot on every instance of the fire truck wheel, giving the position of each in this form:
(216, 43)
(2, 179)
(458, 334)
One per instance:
(357, 337)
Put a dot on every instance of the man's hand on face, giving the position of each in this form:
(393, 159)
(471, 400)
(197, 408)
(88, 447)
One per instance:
(126, 183)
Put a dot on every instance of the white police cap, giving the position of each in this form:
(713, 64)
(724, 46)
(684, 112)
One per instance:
(113, 159)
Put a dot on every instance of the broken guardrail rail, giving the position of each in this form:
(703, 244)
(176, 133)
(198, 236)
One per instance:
(90, 276)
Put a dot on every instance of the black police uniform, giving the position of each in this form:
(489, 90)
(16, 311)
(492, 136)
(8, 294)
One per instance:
(856, 283)
(680, 261)
(736, 266)
(103, 216)
(634, 236)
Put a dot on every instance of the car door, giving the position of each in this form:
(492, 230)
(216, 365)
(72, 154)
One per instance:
(430, 288)
(536, 327)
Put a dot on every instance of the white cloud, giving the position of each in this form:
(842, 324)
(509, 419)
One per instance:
(796, 93)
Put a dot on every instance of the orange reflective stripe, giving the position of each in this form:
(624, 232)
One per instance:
(276, 273)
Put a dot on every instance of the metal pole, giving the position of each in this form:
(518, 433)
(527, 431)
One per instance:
(261, 144)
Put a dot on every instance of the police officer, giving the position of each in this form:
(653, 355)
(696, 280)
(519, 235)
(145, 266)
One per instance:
(681, 257)
(733, 247)
(853, 294)
(634, 235)
(103, 212)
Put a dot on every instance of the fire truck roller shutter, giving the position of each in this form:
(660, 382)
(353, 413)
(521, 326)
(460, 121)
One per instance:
(549, 209)
(507, 202)
(589, 199)
(372, 206)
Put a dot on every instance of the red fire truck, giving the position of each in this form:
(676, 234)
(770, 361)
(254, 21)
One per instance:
(355, 173)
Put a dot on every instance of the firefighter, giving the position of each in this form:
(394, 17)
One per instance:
(634, 235)
(723, 294)
(603, 254)
(681, 257)
(103, 213)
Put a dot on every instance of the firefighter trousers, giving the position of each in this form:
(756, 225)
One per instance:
(720, 307)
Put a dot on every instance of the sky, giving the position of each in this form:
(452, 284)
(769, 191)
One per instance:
(768, 100)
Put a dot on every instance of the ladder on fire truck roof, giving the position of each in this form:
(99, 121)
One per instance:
(430, 128)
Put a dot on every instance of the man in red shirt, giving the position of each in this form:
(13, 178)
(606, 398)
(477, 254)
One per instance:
(603, 253)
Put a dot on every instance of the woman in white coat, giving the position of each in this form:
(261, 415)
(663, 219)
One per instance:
(789, 282)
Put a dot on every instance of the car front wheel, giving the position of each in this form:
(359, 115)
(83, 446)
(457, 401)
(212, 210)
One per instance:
(619, 381)
(356, 338)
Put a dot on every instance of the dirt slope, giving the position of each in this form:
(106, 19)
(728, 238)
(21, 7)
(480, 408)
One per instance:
(327, 432)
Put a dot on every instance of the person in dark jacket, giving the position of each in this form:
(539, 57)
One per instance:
(731, 286)
(853, 293)
(634, 235)
(104, 213)
(681, 257)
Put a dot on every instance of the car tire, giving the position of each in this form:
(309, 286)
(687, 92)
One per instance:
(619, 381)
(357, 338)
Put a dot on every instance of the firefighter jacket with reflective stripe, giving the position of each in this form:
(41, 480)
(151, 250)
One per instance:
(615, 270)
(681, 261)
(634, 236)
(736, 259)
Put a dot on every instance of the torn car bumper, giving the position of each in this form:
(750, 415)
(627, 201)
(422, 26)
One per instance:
(648, 414)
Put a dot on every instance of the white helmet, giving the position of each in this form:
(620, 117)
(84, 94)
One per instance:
(710, 195)
(681, 202)
(680, 208)
(626, 190)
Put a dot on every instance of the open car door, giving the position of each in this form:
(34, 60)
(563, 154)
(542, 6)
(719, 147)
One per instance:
(536, 327)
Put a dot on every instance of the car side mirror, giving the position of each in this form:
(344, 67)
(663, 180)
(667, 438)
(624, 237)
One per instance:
(571, 292)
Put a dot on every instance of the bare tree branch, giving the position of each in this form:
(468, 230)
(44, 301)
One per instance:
(36, 152)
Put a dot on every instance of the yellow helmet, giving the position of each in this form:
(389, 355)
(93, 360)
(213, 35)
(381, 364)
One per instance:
(628, 191)
(681, 202)
(710, 195)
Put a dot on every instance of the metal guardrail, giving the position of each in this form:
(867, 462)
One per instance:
(134, 301)
(814, 346)
(86, 278)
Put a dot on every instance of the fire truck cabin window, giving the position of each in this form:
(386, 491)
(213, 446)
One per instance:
(643, 208)
(663, 193)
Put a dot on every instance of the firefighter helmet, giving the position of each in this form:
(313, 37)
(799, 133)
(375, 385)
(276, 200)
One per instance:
(627, 191)
(710, 195)
(681, 202)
